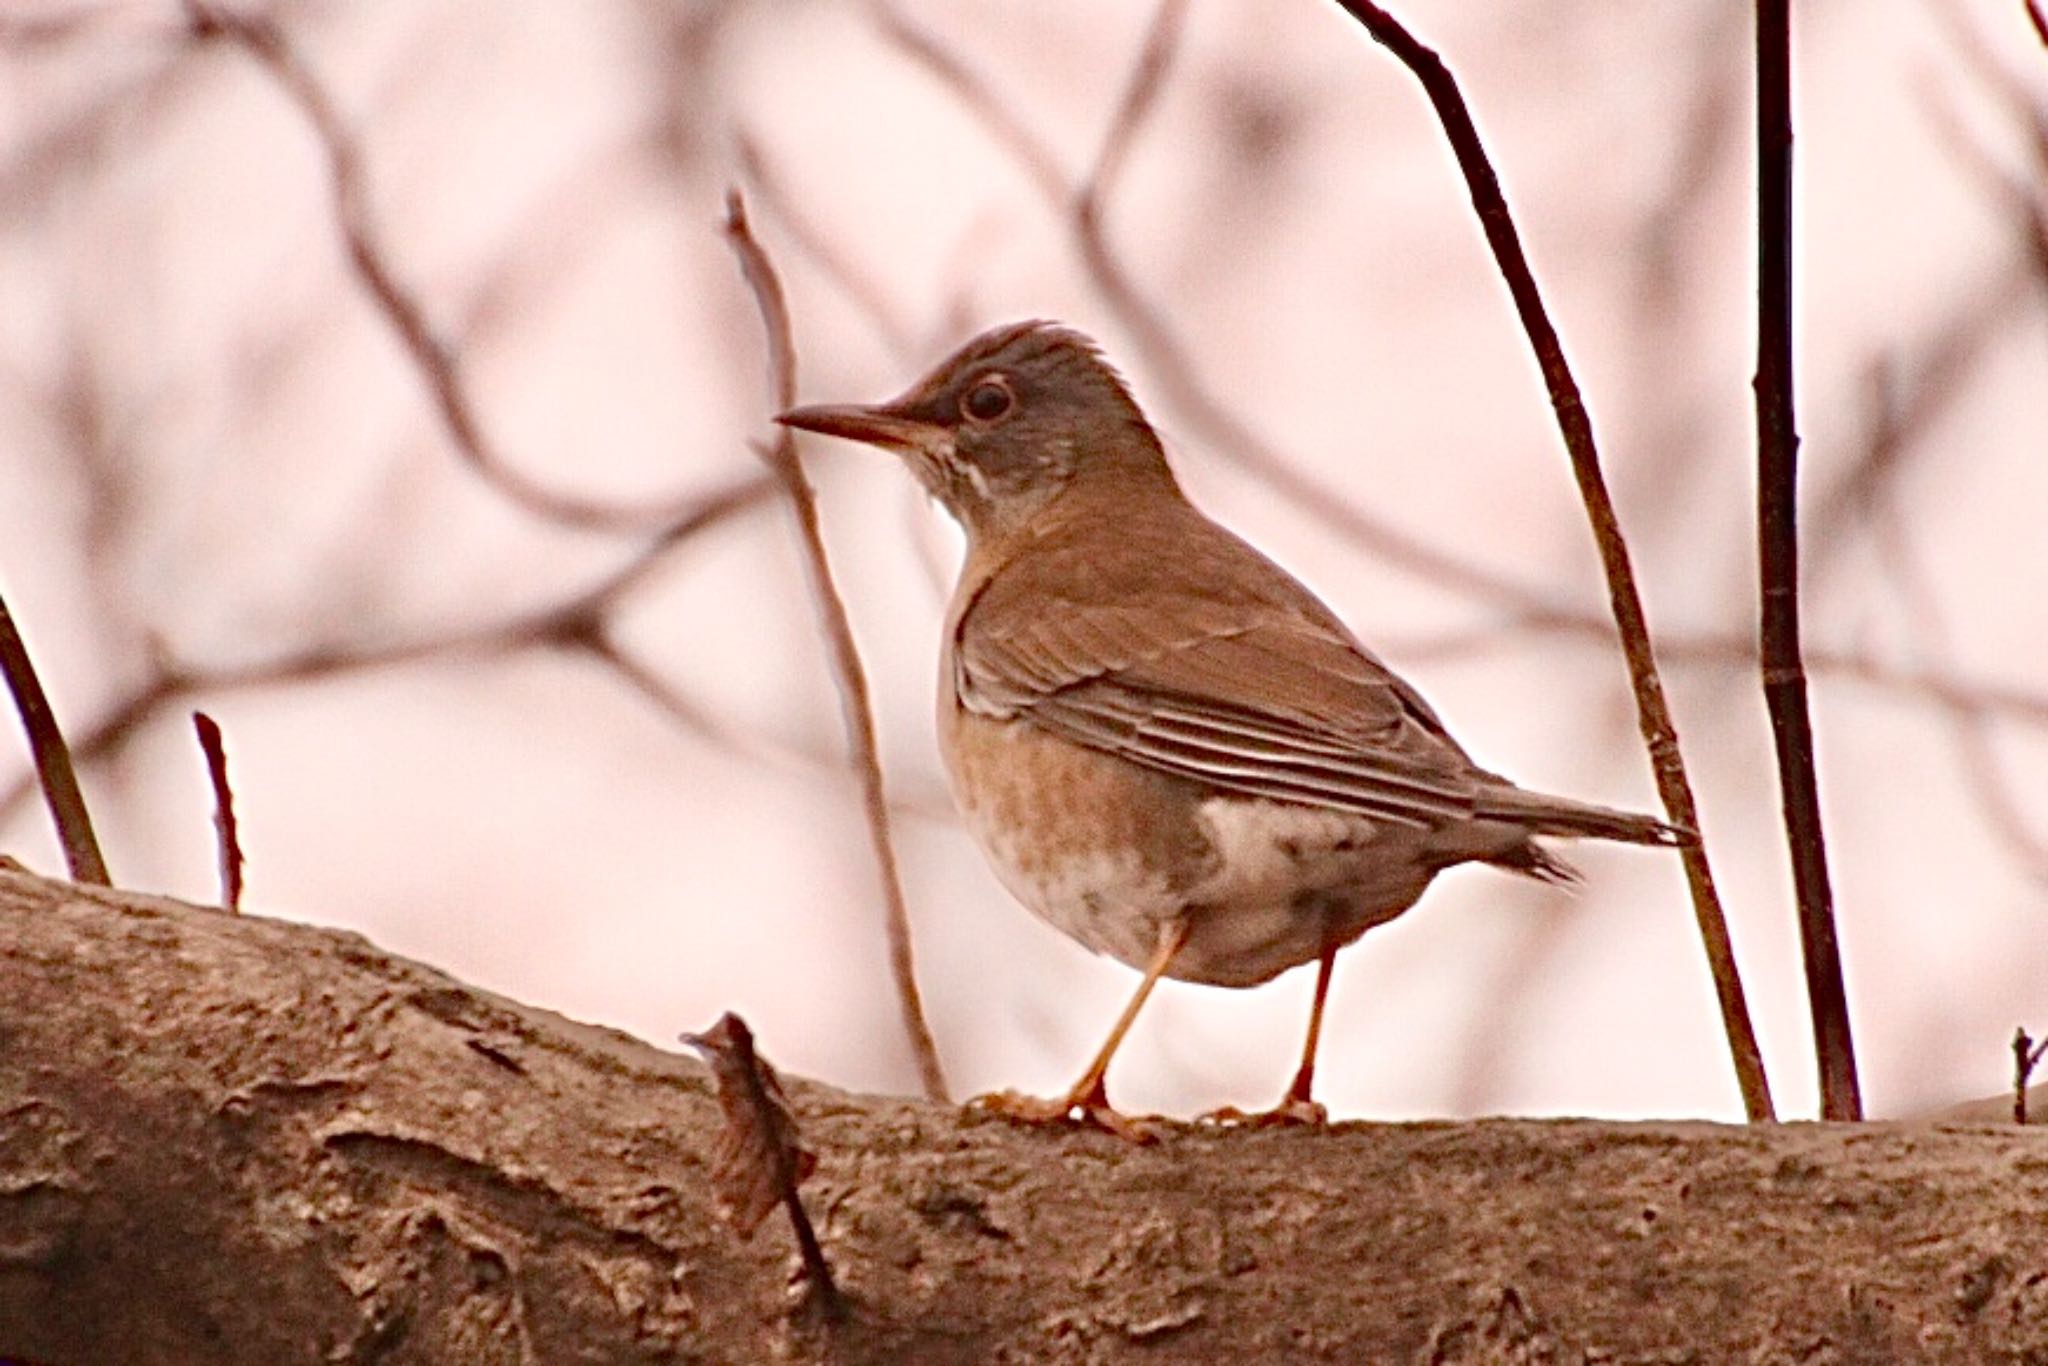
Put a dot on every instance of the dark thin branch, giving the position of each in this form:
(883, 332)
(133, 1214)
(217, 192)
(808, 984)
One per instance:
(2026, 1056)
(2038, 17)
(1784, 672)
(52, 758)
(227, 832)
(1653, 714)
(780, 454)
(439, 366)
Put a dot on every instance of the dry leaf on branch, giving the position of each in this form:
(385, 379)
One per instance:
(761, 1159)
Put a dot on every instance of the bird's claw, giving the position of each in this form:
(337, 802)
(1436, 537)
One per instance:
(1079, 1110)
(1293, 1112)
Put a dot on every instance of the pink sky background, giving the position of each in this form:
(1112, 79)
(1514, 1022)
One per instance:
(216, 448)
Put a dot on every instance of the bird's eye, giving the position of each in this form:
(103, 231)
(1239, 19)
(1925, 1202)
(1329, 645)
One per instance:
(987, 400)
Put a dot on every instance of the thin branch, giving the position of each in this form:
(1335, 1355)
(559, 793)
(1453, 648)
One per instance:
(1653, 714)
(2038, 17)
(2026, 1056)
(227, 832)
(52, 757)
(1784, 672)
(439, 366)
(780, 454)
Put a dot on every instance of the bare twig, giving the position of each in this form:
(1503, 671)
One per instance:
(761, 1160)
(1653, 714)
(1784, 672)
(52, 758)
(227, 833)
(2038, 17)
(780, 453)
(439, 366)
(2026, 1056)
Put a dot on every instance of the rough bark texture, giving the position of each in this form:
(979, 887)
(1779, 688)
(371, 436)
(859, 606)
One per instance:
(231, 1139)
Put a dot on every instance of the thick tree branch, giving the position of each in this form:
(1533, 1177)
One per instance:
(232, 1139)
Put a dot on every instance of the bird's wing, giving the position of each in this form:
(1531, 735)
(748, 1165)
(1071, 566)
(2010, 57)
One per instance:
(1258, 698)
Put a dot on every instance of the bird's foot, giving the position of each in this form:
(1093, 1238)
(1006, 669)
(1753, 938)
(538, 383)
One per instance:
(1081, 1108)
(1293, 1112)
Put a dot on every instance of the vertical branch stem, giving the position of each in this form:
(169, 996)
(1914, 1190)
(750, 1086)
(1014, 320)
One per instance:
(1784, 672)
(852, 679)
(227, 830)
(1652, 713)
(52, 758)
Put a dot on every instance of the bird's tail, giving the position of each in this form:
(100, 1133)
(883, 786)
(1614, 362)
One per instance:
(1544, 814)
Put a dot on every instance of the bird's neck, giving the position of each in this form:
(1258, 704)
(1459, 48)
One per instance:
(1111, 498)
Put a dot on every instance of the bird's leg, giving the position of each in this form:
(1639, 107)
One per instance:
(1087, 1102)
(1299, 1105)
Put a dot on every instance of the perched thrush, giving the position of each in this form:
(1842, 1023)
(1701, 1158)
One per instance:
(1168, 747)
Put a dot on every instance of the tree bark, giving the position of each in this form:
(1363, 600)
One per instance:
(229, 1139)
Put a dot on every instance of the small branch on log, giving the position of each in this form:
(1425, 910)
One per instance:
(58, 779)
(227, 833)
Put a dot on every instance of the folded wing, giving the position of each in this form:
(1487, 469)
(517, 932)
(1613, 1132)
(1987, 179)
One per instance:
(1247, 697)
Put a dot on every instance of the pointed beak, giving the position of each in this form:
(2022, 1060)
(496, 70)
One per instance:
(877, 426)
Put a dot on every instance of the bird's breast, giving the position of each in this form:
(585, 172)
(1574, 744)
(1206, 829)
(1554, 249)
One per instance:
(1109, 851)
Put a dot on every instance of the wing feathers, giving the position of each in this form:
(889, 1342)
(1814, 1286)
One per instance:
(1260, 703)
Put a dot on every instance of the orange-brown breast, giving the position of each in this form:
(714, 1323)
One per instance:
(1105, 850)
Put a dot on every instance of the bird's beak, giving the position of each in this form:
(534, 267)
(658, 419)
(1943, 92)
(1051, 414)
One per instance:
(877, 426)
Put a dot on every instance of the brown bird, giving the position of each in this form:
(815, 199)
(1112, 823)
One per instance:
(1166, 745)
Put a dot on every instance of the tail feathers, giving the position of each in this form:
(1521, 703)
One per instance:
(1543, 814)
(1532, 860)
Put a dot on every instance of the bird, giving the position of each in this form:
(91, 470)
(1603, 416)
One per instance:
(1167, 746)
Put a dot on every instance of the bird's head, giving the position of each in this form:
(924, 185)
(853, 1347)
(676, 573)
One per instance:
(1006, 424)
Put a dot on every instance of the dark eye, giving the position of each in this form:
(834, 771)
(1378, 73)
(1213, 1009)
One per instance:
(988, 400)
